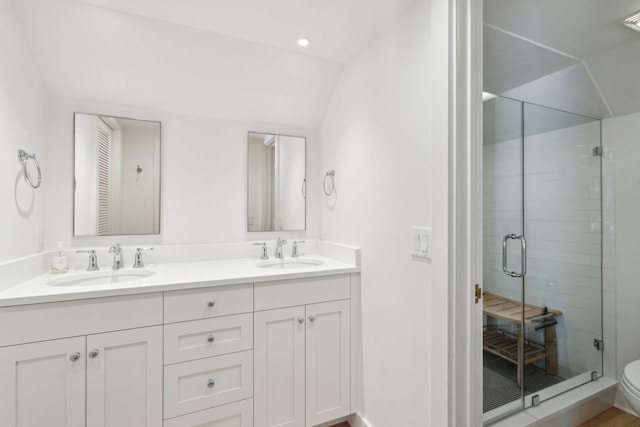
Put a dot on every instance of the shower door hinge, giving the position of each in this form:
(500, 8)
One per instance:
(597, 151)
(535, 400)
(599, 344)
(594, 375)
(478, 293)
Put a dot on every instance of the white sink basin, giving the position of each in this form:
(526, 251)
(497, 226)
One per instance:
(290, 263)
(96, 278)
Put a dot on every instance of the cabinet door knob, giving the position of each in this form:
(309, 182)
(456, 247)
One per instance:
(74, 356)
(312, 318)
(211, 303)
(211, 383)
(210, 338)
(93, 353)
(300, 319)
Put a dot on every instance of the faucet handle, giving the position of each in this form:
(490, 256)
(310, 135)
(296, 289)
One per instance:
(294, 249)
(137, 260)
(263, 250)
(93, 259)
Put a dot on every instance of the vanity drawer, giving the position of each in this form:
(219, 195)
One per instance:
(289, 293)
(205, 383)
(40, 322)
(239, 414)
(198, 339)
(203, 303)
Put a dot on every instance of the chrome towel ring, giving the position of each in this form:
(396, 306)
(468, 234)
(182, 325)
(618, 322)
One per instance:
(23, 157)
(332, 176)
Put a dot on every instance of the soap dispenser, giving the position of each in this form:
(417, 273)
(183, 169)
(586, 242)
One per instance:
(59, 263)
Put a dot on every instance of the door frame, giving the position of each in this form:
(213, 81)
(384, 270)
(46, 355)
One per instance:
(457, 52)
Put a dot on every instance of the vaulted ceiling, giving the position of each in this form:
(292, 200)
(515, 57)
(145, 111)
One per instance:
(573, 55)
(234, 60)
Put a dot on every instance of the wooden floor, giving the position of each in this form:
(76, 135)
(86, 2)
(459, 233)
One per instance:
(613, 417)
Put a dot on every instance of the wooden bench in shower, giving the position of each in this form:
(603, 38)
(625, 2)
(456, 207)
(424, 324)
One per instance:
(507, 346)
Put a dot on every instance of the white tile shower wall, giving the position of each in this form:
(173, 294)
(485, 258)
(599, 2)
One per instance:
(622, 139)
(562, 226)
(204, 174)
(376, 137)
(22, 109)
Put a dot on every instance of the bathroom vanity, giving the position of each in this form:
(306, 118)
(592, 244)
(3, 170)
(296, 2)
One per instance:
(221, 343)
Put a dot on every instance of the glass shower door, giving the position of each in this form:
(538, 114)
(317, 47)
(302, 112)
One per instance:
(562, 225)
(542, 255)
(503, 264)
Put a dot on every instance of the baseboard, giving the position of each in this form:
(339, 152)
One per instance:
(357, 420)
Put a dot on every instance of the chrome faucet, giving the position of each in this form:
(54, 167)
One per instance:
(263, 250)
(295, 252)
(93, 260)
(117, 256)
(137, 259)
(279, 244)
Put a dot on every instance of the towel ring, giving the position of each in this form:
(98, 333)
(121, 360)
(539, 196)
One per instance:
(332, 175)
(23, 157)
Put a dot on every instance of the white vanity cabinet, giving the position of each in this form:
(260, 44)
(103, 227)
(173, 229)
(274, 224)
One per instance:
(302, 353)
(208, 356)
(101, 379)
(43, 383)
(274, 353)
(124, 378)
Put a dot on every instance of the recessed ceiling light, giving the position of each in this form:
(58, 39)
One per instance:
(633, 21)
(303, 42)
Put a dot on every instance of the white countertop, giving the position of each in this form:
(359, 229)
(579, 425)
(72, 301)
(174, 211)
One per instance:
(168, 277)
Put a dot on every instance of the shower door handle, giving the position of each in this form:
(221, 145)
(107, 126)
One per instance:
(523, 259)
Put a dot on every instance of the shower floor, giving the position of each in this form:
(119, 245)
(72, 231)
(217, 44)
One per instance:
(499, 381)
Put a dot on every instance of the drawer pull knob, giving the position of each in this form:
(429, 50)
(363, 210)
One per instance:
(93, 353)
(300, 320)
(211, 383)
(210, 338)
(211, 303)
(312, 318)
(74, 356)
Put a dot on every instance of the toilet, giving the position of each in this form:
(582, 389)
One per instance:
(631, 384)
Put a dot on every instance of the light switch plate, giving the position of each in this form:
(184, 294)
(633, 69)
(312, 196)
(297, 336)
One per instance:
(421, 242)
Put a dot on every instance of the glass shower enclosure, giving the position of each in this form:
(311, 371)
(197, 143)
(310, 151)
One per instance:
(542, 254)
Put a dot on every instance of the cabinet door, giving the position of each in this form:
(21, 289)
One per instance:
(124, 378)
(328, 361)
(279, 367)
(43, 384)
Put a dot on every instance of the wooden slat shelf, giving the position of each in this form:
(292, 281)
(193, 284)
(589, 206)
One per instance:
(506, 346)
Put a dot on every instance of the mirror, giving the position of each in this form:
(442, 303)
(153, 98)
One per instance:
(276, 183)
(117, 176)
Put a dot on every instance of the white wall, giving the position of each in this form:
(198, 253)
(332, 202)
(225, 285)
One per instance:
(621, 137)
(204, 175)
(376, 135)
(22, 103)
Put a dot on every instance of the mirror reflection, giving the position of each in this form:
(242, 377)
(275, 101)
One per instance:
(276, 182)
(117, 176)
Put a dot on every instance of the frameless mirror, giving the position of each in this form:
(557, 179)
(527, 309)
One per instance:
(117, 176)
(276, 183)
